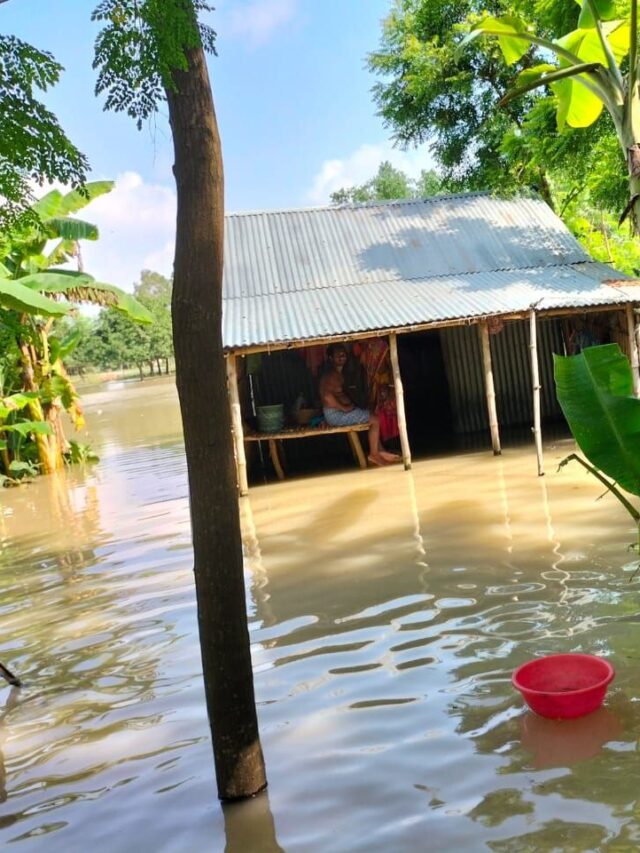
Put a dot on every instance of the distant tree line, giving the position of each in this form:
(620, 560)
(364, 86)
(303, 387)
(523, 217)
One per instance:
(111, 341)
(390, 183)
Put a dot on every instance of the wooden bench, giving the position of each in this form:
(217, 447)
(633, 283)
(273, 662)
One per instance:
(305, 432)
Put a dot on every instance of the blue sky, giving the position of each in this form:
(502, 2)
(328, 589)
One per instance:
(294, 108)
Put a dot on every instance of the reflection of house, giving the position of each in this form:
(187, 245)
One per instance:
(467, 288)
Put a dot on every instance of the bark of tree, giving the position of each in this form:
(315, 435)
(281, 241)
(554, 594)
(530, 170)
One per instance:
(201, 382)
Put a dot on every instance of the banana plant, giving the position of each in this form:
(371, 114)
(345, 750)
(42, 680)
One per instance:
(592, 68)
(33, 285)
(595, 392)
(14, 467)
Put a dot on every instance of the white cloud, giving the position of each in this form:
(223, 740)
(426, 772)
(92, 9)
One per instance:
(257, 20)
(137, 227)
(361, 165)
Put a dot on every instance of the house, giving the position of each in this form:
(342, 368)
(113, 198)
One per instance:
(472, 292)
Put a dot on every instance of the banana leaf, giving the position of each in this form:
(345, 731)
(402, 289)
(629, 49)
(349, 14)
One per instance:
(16, 402)
(71, 229)
(81, 287)
(15, 296)
(595, 391)
(25, 428)
(77, 199)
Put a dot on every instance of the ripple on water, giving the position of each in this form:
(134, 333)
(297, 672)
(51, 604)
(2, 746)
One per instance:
(387, 615)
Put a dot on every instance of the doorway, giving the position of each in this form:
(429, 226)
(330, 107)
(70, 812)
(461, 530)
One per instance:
(426, 391)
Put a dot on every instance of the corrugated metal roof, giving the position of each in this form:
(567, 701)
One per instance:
(299, 275)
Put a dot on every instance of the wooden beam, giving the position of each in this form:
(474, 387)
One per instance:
(402, 419)
(303, 432)
(236, 425)
(632, 330)
(489, 388)
(535, 381)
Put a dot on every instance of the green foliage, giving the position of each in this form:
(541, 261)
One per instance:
(141, 44)
(390, 183)
(81, 454)
(595, 391)
(595, 67)
(113, 341)
(19, 470)
(31, 360)
(17, 297)
(33, 146)
(429, 89)
(425, 93)
(26, 262)
(587, 75)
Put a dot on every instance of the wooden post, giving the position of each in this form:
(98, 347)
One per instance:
(490, 389)
(535, 381)
(236, 424)
(632, 330)
(402, 419)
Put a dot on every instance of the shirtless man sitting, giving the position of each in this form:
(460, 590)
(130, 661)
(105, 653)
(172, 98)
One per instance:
(339, 409)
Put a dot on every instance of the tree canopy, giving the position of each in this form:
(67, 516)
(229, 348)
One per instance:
(33, 145)
(112, 340)
(428, 90)
(390, 183)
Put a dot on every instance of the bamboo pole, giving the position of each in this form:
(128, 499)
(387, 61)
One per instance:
(632, 330)
(402, 419)
(535, 380)
(236, 424)
(489, 388)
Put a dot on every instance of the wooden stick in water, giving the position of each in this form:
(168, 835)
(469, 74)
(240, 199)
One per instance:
(10, 677)
(535, 377)
(402, 418)
(489, 388)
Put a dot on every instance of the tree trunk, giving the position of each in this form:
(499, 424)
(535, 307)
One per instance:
(5, 458)
(141, 371)
(166, 366)
(632, 210)
(150, 363)
(47, 454)
(159, 366)
(634, 203)
(215, 522)
(544, 189)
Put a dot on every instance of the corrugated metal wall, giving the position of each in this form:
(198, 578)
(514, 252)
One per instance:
(511, 373)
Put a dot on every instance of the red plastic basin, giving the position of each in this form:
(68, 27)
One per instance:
(564, 686)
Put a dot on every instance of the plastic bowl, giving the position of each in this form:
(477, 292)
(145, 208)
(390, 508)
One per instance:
(564, 686)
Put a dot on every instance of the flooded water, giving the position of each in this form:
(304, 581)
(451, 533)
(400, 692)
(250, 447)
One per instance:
(387, 612)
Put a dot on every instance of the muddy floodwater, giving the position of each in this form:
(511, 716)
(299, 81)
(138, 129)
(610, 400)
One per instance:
(387, 612)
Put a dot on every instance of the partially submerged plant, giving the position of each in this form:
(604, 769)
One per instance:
(595, 392)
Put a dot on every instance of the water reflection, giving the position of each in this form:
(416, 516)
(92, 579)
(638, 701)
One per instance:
(249, 826)
(562, 743)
